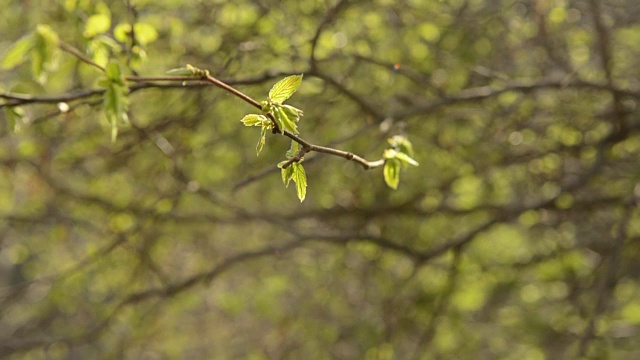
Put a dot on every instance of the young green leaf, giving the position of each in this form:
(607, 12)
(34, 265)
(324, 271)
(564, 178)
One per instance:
(292, 112)
(300, 178)
(13, 114)
(391, 173)
(97, 24)
(284, 88)
(286, 174)
(406, 159)
(145, 33)
(284, 121)
(113, 73)
(402, 144)
(17, 52)
(252, 120)
(262, 140)
(116, 102)
(45, 54)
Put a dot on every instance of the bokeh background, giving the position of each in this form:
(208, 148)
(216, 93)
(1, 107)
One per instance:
(517, 237)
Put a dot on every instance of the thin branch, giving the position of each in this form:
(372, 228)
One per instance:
(82, 57)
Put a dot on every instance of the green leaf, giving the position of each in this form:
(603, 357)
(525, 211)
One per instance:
(116, 102)
(284, 88)
(292, 112)
(391, 173)
(252, 120)
(13, 114)
(122, 31)
(283, 120)
(17, 52)
(97, 24)
(113, 73)
(286, 174)
(45, 54)
(406, 159)
(145, 33)
(402, 144)
(300, 178)
(262, 140)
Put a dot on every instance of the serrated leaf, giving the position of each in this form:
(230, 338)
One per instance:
(17, 52)
(300, 178)
(284, 88)
(262, 140)
(292, 112)
(286, 174)
(283, 120)
(391, 173)
(406, 159)
(252, 120)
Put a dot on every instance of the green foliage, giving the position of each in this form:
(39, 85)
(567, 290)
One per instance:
(284, 88)
(395, 158)
(14, 115)
(264, 123)
(18, 52)
(116, 103)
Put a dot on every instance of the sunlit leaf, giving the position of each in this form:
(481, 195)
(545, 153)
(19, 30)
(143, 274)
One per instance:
(116, 103)
(284, 88)
(300, 178)
(284, 121)
(97, 24)
(252, 120)
(406, 159)
(286, 174)
(145, 33)
(45, 54)
(122, 32)
(262, 140)
(17, 53)
(292, 112)
(402, 144)
(391, 173)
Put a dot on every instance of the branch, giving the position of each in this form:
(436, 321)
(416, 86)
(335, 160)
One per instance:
(308, 147)
(82, 57)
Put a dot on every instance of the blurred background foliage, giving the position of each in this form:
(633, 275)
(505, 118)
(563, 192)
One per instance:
(516, 238)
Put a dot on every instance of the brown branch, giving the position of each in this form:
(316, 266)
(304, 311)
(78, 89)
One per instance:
(82, 57)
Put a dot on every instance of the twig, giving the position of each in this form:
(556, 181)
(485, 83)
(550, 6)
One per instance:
(82, 57)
